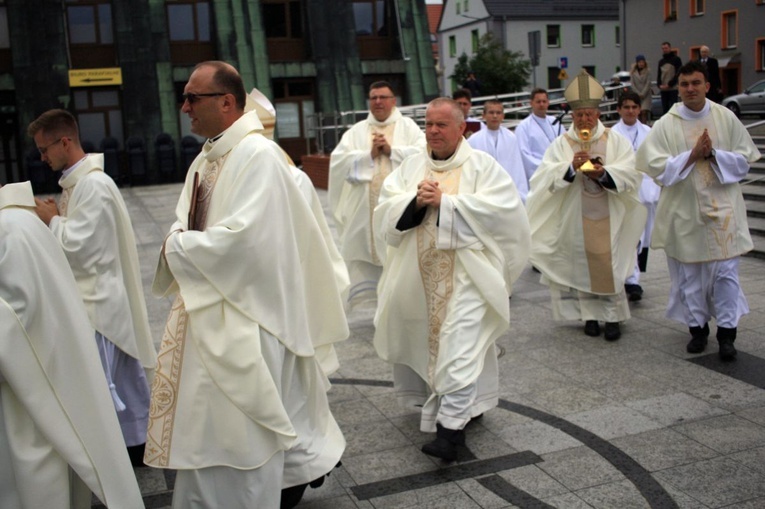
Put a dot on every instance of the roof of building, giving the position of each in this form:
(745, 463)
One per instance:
(434, 16)
(554, 9)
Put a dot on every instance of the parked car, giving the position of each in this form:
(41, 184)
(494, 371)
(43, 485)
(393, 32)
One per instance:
(750, 101)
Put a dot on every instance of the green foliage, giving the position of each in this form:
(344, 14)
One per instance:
(500, 71)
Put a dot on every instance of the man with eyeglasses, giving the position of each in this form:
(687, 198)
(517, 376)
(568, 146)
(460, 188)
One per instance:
(239, 403)
(59, 436)
(698, 153)
(92, 224)
(585, 216)
(367, 153)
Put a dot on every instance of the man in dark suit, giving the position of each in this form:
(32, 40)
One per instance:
(713, 71)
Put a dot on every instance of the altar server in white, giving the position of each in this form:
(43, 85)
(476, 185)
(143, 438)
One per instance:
(537, 131)
(455, 236)
(367, 153)
(59, 436)
(699, 152)
(92, 225)
(501, 144)
(239, 404)
(628, 108)
(585, 217)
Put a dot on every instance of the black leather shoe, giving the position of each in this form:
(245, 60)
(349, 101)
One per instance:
(445, 444)
(725, 338)
(612, 331)
(698, 341)
(634, 292)
(591, 328)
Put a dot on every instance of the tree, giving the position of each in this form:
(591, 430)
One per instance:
(500, 71)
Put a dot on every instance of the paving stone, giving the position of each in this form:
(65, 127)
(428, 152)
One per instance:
(725, 434)
(371, 436)
(579, 468)
(355, 411)
(621, 494)
(568, 400)
(567, 501)
(716, 482)
(613, 421)
(537, 437)
(675, 408)
(387, 464)
(663, 448)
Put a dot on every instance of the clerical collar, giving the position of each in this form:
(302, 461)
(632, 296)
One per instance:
(436, 158)
(69, 170)
(212, 141)
(688, 114)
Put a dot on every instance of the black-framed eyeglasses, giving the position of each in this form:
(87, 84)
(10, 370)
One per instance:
(44, 149)
(192, 98)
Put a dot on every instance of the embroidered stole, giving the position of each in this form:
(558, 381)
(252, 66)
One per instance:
(63, 202)
(381, 170)
(436, 267)
(164, 389)
(596, 224)
(715, 207)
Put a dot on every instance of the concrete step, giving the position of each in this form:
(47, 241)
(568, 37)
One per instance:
(759, 248)
(756, 226)
(755, 208)
(754, 191)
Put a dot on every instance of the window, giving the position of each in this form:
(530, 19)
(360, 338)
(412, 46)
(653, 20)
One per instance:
(457, 4)
(729, 29)
(760, 54)
(553, 36)
(465, 5)
(99, 114)
(374, 28)
(618, 35)
(694, 53)
(452, 46)
(670, 10)
(189, 27)
(590, 70)
(6, 60)
(588, 35)
(553, 77)
(284, 30)
(91, 36)
(474, 39)
(697, 7)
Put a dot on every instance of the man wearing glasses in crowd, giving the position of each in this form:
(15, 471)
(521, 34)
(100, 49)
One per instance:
(367, 153)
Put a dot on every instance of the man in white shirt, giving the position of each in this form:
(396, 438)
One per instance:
(455, 236)
(501, 144)
(536, 132)
(92, 224)
(699, 152)
(628, 107)
(367, 153)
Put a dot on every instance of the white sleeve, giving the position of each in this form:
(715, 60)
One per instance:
(730, 167)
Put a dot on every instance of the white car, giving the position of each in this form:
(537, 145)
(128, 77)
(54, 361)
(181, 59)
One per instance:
(750, 101)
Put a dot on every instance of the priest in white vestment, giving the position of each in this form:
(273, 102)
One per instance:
(455, 236)
(257, 101)
(585, 216)
(537, 131)
(628, 108)
(239, 403)
(501, 144)
(367, 153)
(92, 224)
(59, 436)
(699, 152)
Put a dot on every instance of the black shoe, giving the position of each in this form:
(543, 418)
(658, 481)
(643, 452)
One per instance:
(725, 338)
(591, 328)
(634, 292)
(445, 444)
(698, 341)
(612, 331)
(135, 453)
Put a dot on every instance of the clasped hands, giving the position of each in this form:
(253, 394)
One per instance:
(428, 194)
(46, 209)
(380, 145)
(582, 157)
(703, 147)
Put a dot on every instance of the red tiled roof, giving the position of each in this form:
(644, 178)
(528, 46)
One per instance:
(434, 16)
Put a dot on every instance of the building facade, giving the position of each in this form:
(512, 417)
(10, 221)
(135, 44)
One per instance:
(572, 35)
(734, 31)
(120, 66)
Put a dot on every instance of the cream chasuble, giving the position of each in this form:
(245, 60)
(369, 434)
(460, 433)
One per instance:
(355, 179)
(96, 233)
(584, 236)
(56, 414)
(443, 293)
(701, 215)
(214, 402)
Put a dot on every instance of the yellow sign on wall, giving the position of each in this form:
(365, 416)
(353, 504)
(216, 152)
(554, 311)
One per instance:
(95, 77)
(562, 75)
